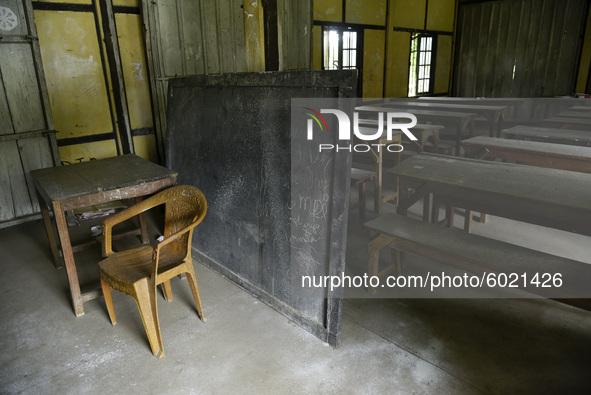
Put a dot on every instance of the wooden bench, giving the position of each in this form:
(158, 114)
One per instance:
(359, 178)
(556, 156)
(477, 255)
(549, 135)
(551, 123)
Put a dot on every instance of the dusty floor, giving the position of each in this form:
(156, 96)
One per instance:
(394, 346)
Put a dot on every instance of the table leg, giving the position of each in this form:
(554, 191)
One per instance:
(62, 230)
(427, 204)
(57, 262)
(143, 224)
(378, 196)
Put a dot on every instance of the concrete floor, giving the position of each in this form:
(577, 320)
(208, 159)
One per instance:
(394, 346)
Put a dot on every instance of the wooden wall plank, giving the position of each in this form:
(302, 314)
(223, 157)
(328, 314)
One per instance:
(518, 48)
(15, 200)
(527, 71)
(192, 37)
(35, 154)
(573, 25)
(5, 119)
(20, 84)
(209, 21)
(168, 38)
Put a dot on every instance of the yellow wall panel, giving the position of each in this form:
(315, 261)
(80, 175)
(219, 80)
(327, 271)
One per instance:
(366, 12)
(127, 3)
(145, 146)
(397, 64)
(69, 1)
(440, 15)
(86, 151)
(254, 35)
(135, 70)
(317, 48)
(73, 70)
(373, 62)
(408, 13)
(328, 10)
(443, 64)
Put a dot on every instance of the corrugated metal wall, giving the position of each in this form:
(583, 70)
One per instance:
(518, 48)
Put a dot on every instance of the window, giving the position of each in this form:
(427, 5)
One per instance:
(421, 66)
(339, 48)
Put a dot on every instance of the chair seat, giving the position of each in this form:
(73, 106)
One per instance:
(128, 267)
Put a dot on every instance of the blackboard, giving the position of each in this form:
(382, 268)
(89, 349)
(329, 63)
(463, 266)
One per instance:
(231, 136)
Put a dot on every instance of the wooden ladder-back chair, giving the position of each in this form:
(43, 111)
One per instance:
(137, 272)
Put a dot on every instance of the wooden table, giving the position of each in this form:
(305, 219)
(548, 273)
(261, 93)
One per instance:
(464, 121)
(549, 135)
(555, 156)
(567, 122)
(512, 103)
(580, 108)
(89, 183)
(575, 114)
(493, 113)
(423, 132)
(547, 197)
(377, 154)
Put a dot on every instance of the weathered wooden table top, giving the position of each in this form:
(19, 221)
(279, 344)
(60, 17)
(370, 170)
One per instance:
(85, 178)
(425, 113)
(560, 188)
(559, 150)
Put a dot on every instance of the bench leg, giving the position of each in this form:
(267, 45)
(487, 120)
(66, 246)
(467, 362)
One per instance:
(397, 260)
(468, 221)
(362, 195)
(449, 216)
(374, 247)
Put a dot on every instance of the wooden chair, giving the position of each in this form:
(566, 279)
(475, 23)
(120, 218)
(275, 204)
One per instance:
(137, 272)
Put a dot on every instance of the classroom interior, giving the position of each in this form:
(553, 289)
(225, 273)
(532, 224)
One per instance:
(501, 87)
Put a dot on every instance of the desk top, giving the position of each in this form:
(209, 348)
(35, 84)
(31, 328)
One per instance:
(467, 107)
(574, 114)
(85, 178)
(559, 150)
(557, 119)
(505, 180)
(472, 100)
(564, 136)
(425, 113)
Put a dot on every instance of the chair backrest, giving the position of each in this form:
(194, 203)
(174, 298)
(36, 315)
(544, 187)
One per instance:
(185, 205)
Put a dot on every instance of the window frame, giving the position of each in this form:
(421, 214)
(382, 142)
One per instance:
(341, 28)
(417, 67)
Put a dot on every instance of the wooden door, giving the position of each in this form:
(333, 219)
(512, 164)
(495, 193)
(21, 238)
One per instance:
(27, 138)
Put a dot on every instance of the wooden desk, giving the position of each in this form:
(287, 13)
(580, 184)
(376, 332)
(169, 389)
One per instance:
(464, 121)
(580, 108)
(423, 132)
(88, 183)
(555, 156)
(492, 113)
(549, 135)
(575, 114)
(377, 154)
(547, 197)
(513, 104)
(567, 122)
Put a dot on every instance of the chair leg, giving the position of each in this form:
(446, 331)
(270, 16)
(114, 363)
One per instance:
(108, 301)
(194, 289)
(167, 290)
(145, 297)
